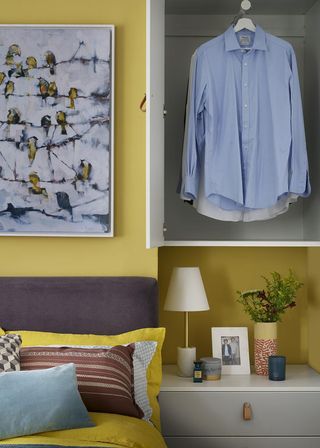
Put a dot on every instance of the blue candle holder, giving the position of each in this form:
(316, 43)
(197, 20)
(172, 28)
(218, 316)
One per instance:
(277, 368)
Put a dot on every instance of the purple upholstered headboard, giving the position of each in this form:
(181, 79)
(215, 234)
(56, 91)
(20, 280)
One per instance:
(96, 305)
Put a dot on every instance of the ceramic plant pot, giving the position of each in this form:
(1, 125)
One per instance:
(265, 345)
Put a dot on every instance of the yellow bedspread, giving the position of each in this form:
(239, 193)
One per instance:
(111, 430)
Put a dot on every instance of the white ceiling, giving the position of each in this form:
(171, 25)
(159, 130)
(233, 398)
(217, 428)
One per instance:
(233, 6)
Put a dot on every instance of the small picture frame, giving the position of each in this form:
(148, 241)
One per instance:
(230, 344)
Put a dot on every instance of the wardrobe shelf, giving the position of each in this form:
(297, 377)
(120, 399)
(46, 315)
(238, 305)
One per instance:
(231, 243)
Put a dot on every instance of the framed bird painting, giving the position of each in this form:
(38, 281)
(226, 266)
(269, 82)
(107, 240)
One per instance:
(56, 130)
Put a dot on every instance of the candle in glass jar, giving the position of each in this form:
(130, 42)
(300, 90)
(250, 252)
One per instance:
(277, 368)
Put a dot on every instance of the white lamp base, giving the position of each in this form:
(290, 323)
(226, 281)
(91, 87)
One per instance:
(185, 359)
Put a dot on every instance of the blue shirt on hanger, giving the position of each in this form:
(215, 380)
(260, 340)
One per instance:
(244, 123)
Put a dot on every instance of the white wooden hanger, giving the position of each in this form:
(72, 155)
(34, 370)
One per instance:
(242, 21)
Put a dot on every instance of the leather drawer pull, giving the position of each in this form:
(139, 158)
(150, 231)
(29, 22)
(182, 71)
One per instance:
(247, 411)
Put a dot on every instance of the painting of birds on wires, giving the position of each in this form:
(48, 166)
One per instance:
(56, 130)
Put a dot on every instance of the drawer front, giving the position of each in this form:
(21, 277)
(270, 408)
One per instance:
(221, 413)
(243, 442)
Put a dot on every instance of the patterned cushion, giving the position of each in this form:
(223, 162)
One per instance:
(9, 352)
(142, 357)
(105, 376)
(143, 354)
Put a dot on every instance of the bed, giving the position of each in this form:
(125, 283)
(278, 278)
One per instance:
(84, 305)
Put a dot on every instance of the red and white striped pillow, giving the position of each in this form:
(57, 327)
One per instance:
(105, 375)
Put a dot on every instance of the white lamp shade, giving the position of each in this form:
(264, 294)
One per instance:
(186, 291)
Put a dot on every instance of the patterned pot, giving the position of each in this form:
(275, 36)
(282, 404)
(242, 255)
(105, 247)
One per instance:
(265, 345)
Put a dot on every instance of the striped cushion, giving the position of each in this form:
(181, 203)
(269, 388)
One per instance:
(105, 376)
(142, 356)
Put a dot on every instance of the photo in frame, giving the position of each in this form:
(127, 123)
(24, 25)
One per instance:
(230, 344)
(56, 130)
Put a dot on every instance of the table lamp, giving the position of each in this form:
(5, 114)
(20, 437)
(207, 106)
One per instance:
(186, 293)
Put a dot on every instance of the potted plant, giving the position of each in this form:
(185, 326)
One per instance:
(266, 307)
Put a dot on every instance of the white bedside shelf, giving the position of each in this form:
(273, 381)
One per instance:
(298, 378)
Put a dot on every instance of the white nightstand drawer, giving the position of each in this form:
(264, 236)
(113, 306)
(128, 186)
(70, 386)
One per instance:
(243, 442)
(208, 414)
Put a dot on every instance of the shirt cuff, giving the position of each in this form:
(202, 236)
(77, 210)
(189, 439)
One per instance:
(190, 190)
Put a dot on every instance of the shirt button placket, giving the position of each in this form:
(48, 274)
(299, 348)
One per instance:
(245, 97)
(245, 113)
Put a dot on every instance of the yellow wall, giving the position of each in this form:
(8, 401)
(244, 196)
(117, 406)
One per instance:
(125, 254)
(314, 307)
(224, 271)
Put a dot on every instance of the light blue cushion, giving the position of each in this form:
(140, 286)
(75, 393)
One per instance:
(40, 400)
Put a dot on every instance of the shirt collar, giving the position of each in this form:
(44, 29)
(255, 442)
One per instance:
(231, 41)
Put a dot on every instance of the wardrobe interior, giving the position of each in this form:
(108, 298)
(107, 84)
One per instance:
(188, 24)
